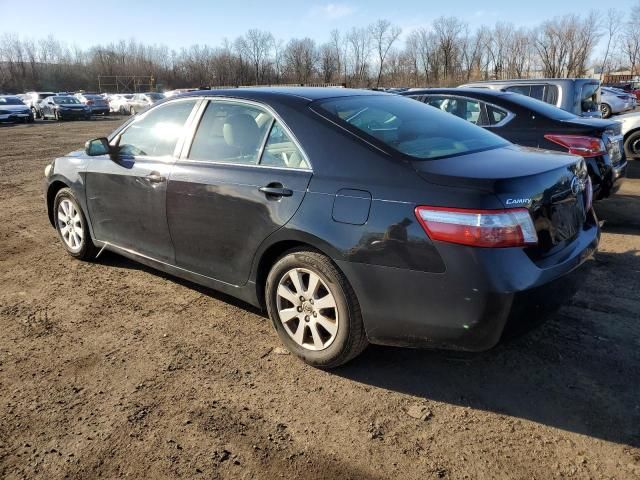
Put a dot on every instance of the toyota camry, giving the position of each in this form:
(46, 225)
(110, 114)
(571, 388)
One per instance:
(352, 217)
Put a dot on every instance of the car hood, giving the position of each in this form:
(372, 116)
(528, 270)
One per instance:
(14, 108)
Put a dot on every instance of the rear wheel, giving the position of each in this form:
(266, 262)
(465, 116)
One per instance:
(72, 226)
(56, 116)
(606, 110)
(132, 111)
(35, 113)
(632, 146)
(314, 309)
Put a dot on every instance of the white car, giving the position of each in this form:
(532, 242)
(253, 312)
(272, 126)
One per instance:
(118, 102)
(631, 132)
(13, 109)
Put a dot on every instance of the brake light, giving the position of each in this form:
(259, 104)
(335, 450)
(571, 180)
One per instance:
(579, 145)
(478, 228)
(89, 102)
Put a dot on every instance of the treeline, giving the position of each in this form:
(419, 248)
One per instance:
(445, 53)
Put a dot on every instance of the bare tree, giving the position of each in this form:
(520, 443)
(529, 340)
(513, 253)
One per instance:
(631, 39)
(384, 35)
(612, 27)
(256, 45)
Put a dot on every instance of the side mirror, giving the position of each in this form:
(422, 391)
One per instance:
(97, 146)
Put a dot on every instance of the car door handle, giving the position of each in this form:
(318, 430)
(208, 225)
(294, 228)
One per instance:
(155, 178)
(272, 190)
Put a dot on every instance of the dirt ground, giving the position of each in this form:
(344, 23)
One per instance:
(111, 370)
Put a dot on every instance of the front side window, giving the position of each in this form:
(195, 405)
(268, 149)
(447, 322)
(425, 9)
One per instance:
(231, 133)
(156, 133)
(407, 126)
(521, 89)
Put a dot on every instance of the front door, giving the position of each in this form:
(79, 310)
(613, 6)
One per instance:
(242, 178)
(127, 198)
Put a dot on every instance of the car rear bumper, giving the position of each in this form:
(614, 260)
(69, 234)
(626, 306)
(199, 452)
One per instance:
(468, 306)
(614, 180)
(68, 114)
(99, 110)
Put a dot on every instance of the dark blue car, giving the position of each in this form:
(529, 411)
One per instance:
(351, 216)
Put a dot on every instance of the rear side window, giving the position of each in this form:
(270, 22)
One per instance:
(542, 108)
(407, 126)
(521, 89)
(157, 132)
(281, 151)
(495, 114)
(467, 109)
(231, 133)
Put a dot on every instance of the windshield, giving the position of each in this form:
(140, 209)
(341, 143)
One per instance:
(409, 127)
(10, 101)
(65, 100)
(540, 107)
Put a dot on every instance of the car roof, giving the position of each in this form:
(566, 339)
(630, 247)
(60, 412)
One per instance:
(264, 93)
(534, 80)
(457, 91)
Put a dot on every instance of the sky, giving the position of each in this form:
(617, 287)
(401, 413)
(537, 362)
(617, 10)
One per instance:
(181, 23)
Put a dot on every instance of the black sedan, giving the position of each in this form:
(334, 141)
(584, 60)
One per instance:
(63, 108)
(531, 123)
(351, 216)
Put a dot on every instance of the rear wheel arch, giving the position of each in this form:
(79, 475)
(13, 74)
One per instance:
(275, 252)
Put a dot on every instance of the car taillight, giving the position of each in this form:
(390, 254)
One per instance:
(89, 102)
(588, 194)
(478, 228)
(579, 145)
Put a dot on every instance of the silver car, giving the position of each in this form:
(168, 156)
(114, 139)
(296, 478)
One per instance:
(580, 96)
(142, 101)
(613, 101)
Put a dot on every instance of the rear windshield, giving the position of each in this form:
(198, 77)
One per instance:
(65, 100)
(155, 96)
(10, 101)
(409, 127)
(540, 107)
(93, 97)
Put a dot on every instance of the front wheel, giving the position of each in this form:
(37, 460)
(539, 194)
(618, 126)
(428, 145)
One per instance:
(71, 226)
(606, 110)
(632, 146)
(132, 111)
(314, 309)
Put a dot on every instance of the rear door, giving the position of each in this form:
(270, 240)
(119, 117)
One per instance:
(241, 178)
(127, 198)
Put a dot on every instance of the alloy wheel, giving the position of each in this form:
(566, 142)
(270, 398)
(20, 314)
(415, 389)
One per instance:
(307, 309)
(70, 225)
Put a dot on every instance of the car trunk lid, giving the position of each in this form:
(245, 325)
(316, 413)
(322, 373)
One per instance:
(553, 187)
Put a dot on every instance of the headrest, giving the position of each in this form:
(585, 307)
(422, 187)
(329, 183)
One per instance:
(241, 131)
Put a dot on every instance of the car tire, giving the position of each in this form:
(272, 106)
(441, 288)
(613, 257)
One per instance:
(132, 111)
(72, 227)
(605, 109)
(632, 146)
(35, 113)
(56, 116)
(324, 334)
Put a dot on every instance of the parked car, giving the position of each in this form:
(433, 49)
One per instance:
(32, 99)
(580, 96)
(65, 107)
(630, 128)
(632, 87)
(532, 123)
(142, 101)
(614, 101)
(13, 109)
(352, 216)
(119, 102)
(96, 103)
